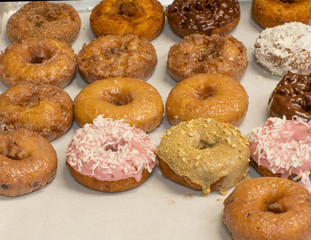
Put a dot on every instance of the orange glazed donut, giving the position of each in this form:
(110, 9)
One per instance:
(268, 208)
(59, 21)
(136, 102)
(144, 18)
(44, 109)
(27, 162)
(207, 95)
(270, 13)
(39, 61)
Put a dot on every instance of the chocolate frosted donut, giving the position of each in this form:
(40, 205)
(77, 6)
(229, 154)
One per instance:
(291, 97)
(203, 16)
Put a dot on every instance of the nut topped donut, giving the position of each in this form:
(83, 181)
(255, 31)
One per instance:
(144, 18)
(59, 21)
(207, 17)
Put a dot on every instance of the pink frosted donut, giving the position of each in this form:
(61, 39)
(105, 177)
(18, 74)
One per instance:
(110, 156)
(282, 148)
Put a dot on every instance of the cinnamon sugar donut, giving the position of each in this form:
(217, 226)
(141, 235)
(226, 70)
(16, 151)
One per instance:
(43, 109)
(117, 56)
(144, 18)
(41, 61)
(199, 53)
(59, 21)
(27, 162)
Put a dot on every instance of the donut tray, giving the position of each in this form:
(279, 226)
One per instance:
(159, 208)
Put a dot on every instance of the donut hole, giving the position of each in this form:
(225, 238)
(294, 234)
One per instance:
(275, 206)
(206, 92)
(129, 9)
(14, 152)
(39, 55)
(119, 99)
(288, 1)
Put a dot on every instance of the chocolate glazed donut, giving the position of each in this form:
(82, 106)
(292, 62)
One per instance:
(291, 97)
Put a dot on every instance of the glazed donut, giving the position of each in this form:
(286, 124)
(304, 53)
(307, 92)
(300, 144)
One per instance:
(285, 48)
(281, 148)
(39, 61)
(199, 53)
(136, 102)
(291, 97)
(204, 154)
(117, 56)
(59, 21)
(270, 13)
(268, 208)
(110, 156)
(186, 17)
(27, 162)
(144, 18)
(207, 95)
(44, 109)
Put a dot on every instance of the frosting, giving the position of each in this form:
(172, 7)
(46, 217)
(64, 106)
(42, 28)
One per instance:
(283, 146)
(111, 150)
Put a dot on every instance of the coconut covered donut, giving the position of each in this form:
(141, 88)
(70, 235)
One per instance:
(59, 21)
(285, 48)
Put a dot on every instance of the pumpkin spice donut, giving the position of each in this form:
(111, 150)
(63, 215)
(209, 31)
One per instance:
(59, 21)
(41, 61)
(43, 109)
(144, 18)
(27, 162)
(198, 53)
(117, 56)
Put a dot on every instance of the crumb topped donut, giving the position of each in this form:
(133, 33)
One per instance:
(207, 17)
(117, 56)
(144, 18)
(110, 156)
(285, 48)
(41, 61)
(27, 162)
(204, 154)
(198, 53)
(267, 209)
(59, 21)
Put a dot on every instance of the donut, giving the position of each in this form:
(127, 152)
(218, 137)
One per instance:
(291, 97)
(270, 13)
(198, 53)
(27, 162)
(204, 154)
(207, 95)
(281, 148)
(144, 18)
(44, 109)
(59, 21)
(136, 102)
(268, 208)
(41, 61)
(207, 17)
(110, 156)
(117, 56)
(285, 48)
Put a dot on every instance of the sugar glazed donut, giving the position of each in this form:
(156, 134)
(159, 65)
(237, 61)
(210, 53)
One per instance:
(117, 56)
(144, 18)
(59, 21)
(204, 154)
(186, 17)
(268, 208)
(27, 162)
(270, 13)
(285, 48)
(110, 156)
(43, 109)
(136, 102)
(207, 95)
(291, 97)
(199, 53)
(282, 148)
(41, 61)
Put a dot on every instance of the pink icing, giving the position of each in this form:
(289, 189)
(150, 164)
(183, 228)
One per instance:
(283, 146)
(111, 150)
